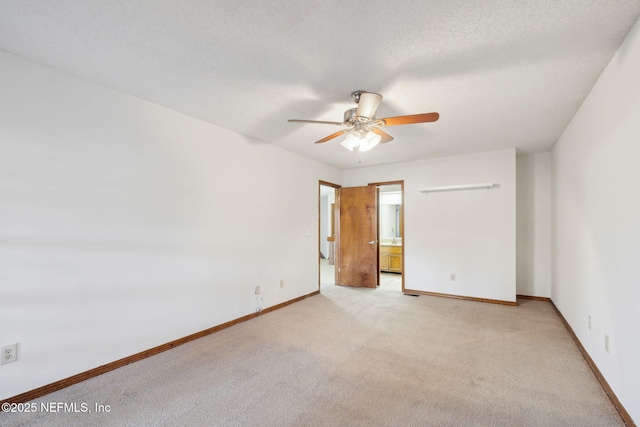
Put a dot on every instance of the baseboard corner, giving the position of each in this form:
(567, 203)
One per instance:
(534, 298)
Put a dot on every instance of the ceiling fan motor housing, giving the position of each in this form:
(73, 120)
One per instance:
(350, 117)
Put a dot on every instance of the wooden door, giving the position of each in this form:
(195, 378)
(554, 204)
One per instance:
(357, 247)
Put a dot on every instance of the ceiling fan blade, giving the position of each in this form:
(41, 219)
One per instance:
(408, 120)
(368, 104)
(333, 135)
(385, 136)
(316, 121)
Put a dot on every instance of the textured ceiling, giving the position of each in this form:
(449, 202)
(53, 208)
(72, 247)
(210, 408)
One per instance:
(500, 73)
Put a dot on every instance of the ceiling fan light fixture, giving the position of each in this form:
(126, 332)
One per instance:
(370, 140)
(351, 141)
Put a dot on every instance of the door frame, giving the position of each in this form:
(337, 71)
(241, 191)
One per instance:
(401, 183)
(336, 187)
(336, 223)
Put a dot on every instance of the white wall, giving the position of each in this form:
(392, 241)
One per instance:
(471, 233)
(125, 225)
(533, 236)
(596, 223)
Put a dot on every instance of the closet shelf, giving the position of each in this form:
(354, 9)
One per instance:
(457, 187)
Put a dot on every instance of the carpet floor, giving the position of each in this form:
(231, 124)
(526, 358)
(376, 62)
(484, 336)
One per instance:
(356, 357)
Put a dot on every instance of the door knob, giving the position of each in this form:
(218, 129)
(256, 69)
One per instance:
(373, 242)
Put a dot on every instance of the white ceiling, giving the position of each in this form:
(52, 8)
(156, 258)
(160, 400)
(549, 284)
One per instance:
(501, 73)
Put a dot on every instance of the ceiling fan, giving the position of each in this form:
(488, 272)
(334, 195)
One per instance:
(362, 127)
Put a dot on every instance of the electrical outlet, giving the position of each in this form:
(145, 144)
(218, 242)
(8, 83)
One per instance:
(281, 283)
(606, 343)
(589, 322)
(9, 353)
(258, 290)
(452, 277)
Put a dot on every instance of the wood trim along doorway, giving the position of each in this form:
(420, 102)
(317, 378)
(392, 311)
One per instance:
(328, 231)
(401, 226)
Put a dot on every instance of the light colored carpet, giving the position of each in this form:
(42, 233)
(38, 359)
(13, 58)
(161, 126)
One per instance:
(357, 357)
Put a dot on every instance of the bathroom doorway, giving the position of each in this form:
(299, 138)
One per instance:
(391, 235)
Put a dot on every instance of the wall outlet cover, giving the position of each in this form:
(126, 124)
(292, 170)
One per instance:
(8, 354)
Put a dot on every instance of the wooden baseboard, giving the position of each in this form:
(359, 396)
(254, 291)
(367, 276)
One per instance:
(437, 294)
(605, 385)
(545, 299)
(83, 376)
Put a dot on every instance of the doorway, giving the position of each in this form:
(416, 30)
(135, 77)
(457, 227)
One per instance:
(391, 235)
(328, 230)
(389, 238)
